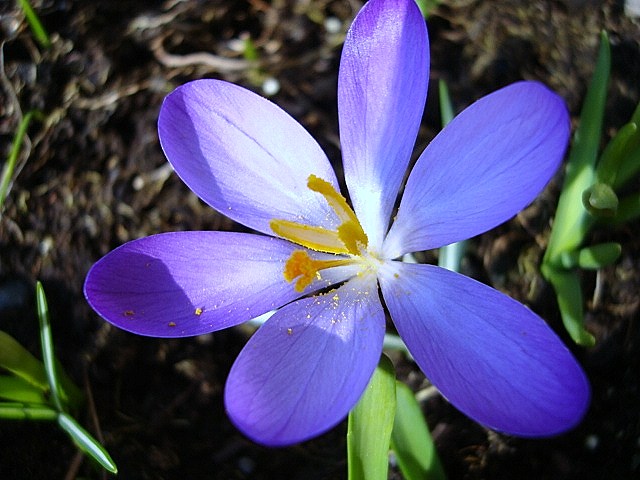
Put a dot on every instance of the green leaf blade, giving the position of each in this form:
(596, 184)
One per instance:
(24, 411)
(86, 442)
(16, 389)
(19, 361)
(36, 26)
(47, 346)
(12, 160)
(566, 283)
(370, 426)
(571, 222)
(449, 256)
(600, 200)
(63, 391)
(411, 440)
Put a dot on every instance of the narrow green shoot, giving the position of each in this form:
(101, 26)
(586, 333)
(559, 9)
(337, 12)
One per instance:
(25, 411)
(449, 256)
(18, 360)
(37, 391)
(79, 435)
(85, 442)
(578, 202)
(370, 425)
(621, 159)
(10, 165)
(47, 346)
(411, 440)
(427, 6)
(628, 210)
(572, 221)
(446, 105)
(250, 52)
(590, 197)
(16, 389)
(38, 30)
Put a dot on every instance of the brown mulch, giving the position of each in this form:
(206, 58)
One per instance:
(92, 177)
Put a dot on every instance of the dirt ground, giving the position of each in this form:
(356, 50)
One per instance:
(92, 176)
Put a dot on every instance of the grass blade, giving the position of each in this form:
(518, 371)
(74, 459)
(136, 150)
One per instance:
(21, 411)
(370, 425)
(411, 440)
(572, 222)
(47, 346)
(86, 442)
(12, 159)
(567, 286)
(36, 26)
(449, 256)
(19, 361)
(16, 389)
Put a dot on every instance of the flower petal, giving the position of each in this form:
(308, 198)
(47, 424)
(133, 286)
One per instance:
(243, 155)
(485, 166)
(189, 283)
(306, 367)
(382, 88)
(490, 356)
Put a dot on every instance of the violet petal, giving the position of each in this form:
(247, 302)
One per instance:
(189, 283)
(489, 163)
(306, 367)
(382, 87)
(489, 355)
(243, 155)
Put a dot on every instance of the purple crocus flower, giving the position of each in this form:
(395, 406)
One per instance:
(307, 366)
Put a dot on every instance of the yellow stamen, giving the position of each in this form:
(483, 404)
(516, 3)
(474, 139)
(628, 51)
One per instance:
(316, 238)
(301, 266)
(348, 238)
(333, 197)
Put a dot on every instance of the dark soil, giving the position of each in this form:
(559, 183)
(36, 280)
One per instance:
(92, 176)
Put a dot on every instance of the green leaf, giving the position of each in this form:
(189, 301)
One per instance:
(47, 346)
(34, 22)
(600, 200)
(566, 283)
(18, 390)
(449, 256)
(17, 360)
(621, 146)
(593, 257)
(426, 6)
(370, 425)
(23, 411)
(250, 52)
(628, 210)
(12, 159)
(411, 440)
(446, 105)
(86, 442)
(571, 222)
(63, 390)
(628, 165)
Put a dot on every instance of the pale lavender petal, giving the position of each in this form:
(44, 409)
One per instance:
(306, 367)
(490, 356)
(189, 283)
(382, 87)
(243, 155)
(489, 163)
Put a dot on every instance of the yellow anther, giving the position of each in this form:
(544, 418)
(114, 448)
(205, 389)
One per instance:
(305, 269)
(348, 238)
(333, 197)
(316, 238)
